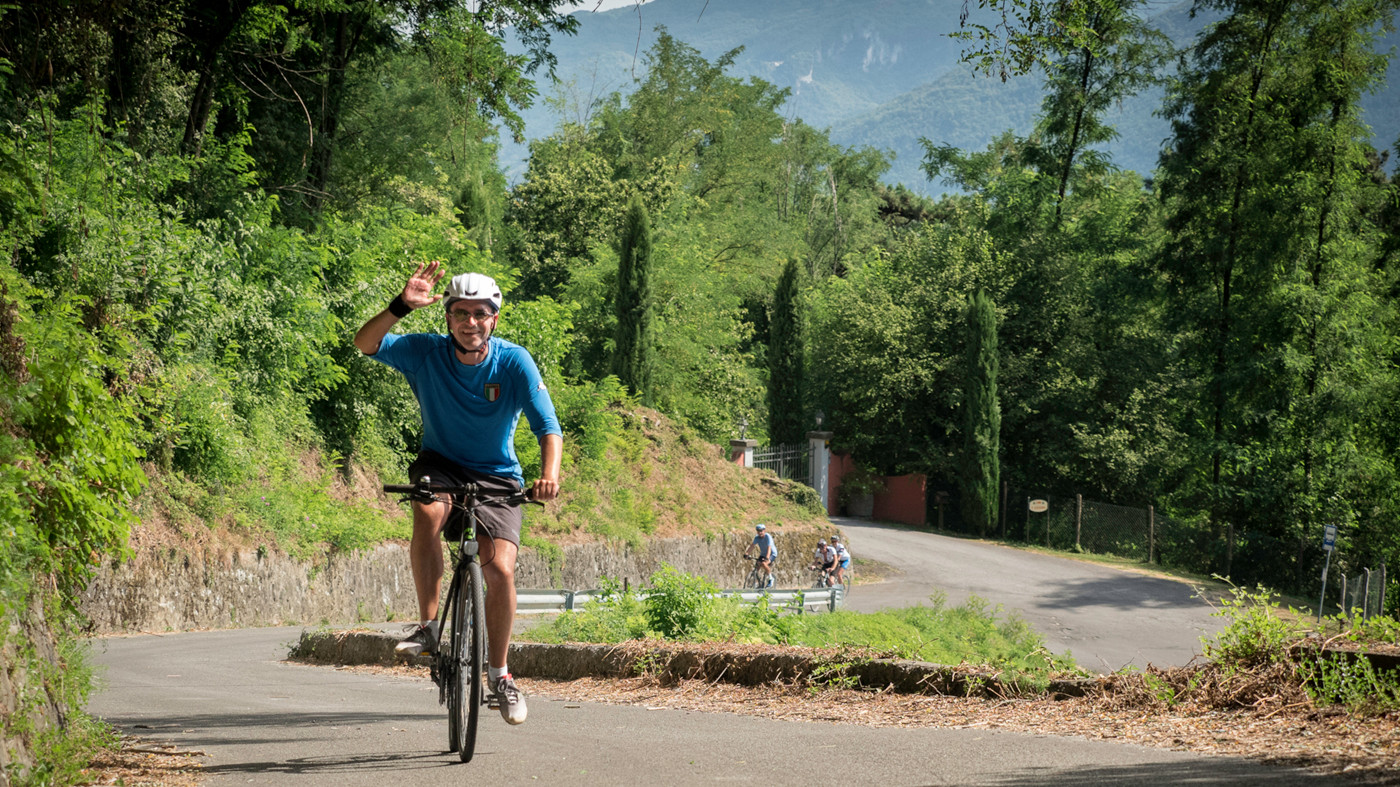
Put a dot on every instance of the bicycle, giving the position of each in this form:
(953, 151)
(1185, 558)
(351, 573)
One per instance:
(757, 578)
(459, 671)
(823, 579)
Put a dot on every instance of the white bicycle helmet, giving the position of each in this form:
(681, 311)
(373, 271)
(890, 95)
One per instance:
(473, 287)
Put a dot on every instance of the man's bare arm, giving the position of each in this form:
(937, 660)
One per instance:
(551, 456)
(419, 291)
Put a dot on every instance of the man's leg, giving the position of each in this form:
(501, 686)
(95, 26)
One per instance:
(500, 617)
(425, 556)
(500, 595)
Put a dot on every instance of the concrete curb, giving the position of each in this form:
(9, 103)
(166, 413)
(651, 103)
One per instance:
(676, 662)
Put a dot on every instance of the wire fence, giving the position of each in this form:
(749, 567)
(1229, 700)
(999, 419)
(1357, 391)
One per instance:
(1073, 523)
(1362, 595)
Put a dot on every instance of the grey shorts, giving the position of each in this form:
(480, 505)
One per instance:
(499, 521)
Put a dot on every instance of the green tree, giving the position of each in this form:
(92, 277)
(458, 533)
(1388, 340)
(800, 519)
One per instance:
(1119, 58)
(633, 353)
(980, 480)
(786, 351)
(1270, 269)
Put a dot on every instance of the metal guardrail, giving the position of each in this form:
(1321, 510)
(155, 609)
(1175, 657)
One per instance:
(544, 601)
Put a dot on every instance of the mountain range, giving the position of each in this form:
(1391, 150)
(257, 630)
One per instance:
(879, 73)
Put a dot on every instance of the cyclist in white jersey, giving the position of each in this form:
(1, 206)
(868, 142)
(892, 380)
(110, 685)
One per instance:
(824, 557)
(843, 560)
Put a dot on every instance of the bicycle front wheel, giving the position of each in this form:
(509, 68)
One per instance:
(468, 658)
(754, 579)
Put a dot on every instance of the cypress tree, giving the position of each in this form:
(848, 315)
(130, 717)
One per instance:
(632, 355)
(981, 475)
(785, 362)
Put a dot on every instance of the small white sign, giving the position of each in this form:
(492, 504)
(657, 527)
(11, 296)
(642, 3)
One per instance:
(1039, 506)
(1329, 537)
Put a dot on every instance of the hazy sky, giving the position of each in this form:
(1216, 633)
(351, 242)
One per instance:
(606, 5)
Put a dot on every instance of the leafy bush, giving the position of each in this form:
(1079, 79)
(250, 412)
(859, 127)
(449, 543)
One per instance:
(1254, 633)
(679, 603)
(1350, 681)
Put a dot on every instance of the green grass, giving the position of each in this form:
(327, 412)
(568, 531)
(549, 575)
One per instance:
(681, 607)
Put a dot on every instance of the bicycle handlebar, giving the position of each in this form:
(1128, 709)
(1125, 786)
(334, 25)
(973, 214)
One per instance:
(430, 492)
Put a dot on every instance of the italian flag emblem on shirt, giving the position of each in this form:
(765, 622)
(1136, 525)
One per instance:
(493, 391)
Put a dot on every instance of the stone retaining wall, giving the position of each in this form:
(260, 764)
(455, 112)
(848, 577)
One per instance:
(28, 707)
(165, 589)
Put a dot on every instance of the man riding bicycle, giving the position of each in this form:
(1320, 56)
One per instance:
(471, 389)
(767, 552)
(843, 560)
(824, 557)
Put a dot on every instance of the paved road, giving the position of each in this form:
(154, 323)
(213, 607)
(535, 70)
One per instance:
(262, 721)
(1107, 618)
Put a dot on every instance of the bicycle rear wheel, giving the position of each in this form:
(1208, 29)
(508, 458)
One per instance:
(468, 659)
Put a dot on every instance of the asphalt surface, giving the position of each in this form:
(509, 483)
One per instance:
(1107, 618)
(263, 721)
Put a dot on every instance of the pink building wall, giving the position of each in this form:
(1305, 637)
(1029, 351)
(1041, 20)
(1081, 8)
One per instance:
(902, 501)
(841, 464)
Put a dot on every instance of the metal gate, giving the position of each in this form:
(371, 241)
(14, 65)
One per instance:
(788, 461)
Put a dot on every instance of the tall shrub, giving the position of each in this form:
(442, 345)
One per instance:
(981, 475)
(785, 362)
(632, 356)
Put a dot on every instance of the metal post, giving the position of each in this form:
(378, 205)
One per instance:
(1078, 518)
(1382, 590)
(1151, 533)
(1322, 602)
(1028, 520)
(1343, 605)
(1366, 595)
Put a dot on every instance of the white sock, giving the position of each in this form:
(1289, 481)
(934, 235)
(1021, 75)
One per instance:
(497, 674)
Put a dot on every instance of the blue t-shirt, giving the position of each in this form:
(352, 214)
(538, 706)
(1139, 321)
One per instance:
(766, 548)
(470, 412)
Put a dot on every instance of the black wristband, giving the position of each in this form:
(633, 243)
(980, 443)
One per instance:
(398, 308)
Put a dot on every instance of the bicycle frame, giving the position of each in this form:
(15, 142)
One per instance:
(458, 669)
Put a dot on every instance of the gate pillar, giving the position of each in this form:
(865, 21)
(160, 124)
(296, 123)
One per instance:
(821, 463)
(741, 452)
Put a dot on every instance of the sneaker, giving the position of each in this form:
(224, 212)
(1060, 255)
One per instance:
(422, 640)
(509, 699)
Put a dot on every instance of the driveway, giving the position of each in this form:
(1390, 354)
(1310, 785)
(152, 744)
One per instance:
(1107, 618)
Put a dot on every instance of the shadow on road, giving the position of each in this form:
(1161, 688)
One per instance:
(203, 729)
(1213, 771)
(389, 762)
(1135, 592)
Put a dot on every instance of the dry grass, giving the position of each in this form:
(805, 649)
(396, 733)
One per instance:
(138, 763)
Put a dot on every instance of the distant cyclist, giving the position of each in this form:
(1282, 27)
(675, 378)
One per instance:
(843, 560)
(766, 550)
(824, 558)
